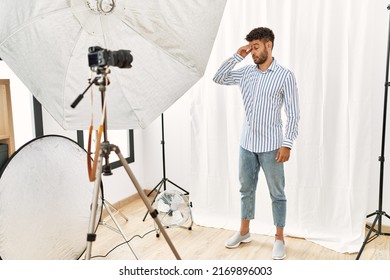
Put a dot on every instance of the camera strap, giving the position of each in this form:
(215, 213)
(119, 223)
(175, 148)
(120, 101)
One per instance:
(99, 132)
(92, 168)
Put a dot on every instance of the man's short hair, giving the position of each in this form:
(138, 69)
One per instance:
(262, 34)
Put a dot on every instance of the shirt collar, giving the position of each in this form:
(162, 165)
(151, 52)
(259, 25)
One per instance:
(272, 67)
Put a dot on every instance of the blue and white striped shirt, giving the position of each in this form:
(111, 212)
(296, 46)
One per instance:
(264, 94)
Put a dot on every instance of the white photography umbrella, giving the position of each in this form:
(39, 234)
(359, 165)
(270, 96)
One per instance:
(46, 44)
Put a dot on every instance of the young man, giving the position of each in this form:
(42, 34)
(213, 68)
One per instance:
(265, 88)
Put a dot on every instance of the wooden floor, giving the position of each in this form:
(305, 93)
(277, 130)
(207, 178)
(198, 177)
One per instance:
(202, 243)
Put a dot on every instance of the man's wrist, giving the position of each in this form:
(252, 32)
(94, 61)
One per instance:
(287, 143)
(238, 57)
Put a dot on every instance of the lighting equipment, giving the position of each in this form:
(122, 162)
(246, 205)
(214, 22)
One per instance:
(164, 180)
(172, 41)
(45, 201)
(379, 214)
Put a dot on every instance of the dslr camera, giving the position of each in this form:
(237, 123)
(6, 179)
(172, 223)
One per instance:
(100, 58)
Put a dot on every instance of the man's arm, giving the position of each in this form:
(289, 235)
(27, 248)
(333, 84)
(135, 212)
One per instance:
(293, 115)
(225, 74)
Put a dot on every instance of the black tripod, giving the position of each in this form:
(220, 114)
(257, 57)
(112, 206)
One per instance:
(379, 213)
(164, 180)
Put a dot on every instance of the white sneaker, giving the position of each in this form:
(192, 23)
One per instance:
(279, 250)
(237, 239)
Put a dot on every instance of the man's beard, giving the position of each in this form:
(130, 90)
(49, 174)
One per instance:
(263, 58)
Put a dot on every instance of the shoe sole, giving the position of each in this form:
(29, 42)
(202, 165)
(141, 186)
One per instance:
(249, 239)
(278, 258)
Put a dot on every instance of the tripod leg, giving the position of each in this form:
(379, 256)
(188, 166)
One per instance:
(157, 187)
(121, 231)
(367, 237)
(152, 211)
(154, 199)
(91, 236)
(185, 192)
(116, 210)
(372, 214)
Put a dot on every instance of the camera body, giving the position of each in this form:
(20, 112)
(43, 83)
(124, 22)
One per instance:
(100, 58)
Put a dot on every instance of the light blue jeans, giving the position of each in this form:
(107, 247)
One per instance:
(249, 168)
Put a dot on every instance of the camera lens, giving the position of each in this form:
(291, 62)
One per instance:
(121, 58)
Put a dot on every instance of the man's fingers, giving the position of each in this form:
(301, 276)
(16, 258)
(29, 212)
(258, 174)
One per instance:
(244, 50)
(282, 157)
(277, 158)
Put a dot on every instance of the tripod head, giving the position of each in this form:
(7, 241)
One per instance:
(100, 80)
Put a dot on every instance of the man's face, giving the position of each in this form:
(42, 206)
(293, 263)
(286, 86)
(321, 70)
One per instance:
(259, 51)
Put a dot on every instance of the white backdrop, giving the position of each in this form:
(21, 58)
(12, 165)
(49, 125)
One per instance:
(337, 50)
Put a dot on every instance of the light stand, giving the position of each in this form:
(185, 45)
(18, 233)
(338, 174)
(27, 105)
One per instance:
(110, 207)
(380, 213)
(164, 179)
(105, 151)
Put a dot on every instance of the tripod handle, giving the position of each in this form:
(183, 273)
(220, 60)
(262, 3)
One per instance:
(77, 101)
(81, 96)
